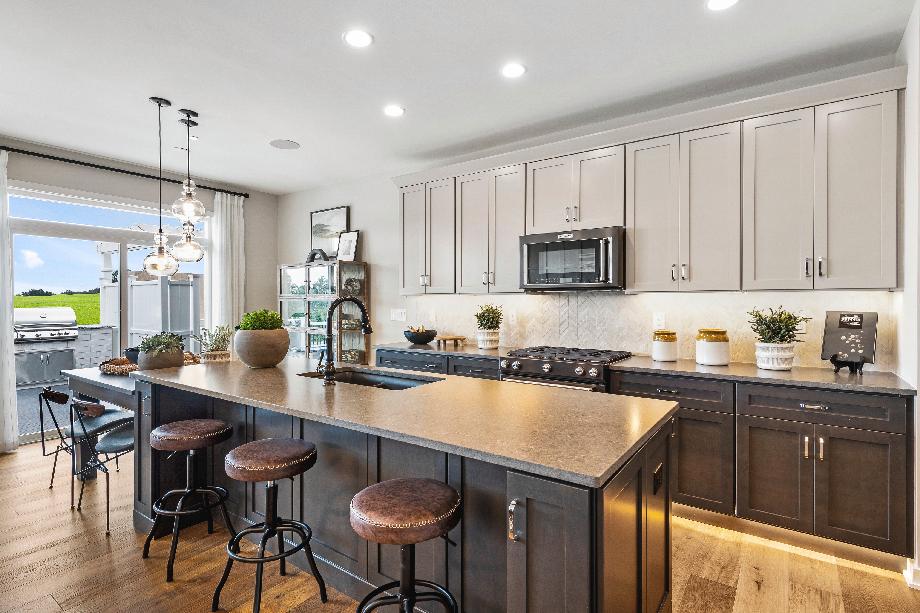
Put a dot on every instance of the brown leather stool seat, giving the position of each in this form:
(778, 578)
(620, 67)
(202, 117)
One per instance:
(190, 434)
(270, 459)
(405, 511)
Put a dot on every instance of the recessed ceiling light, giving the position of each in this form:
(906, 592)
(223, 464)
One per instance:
(357, 38)
(513, 70)
(720, 5)
(281, 143)
(394, 110)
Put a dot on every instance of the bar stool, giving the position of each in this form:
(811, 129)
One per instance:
(268, 460)
(406, 512)
(189, 435)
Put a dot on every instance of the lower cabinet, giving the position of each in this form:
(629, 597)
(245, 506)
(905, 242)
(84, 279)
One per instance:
(423, 361)
(703, 460)
(841, 483)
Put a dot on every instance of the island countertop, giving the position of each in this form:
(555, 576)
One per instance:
(574, 436)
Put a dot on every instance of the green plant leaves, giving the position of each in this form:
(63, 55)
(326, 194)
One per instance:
(776, 325)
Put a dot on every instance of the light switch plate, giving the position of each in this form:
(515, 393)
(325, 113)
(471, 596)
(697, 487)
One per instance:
(397, 314)
(658, 320)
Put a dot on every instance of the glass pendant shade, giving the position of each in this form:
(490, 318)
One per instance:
(187, 207)
(187, 249)
(161, 263)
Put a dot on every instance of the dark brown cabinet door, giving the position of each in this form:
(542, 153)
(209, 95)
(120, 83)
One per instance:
(776, 472)
(703, 460)
(549, 546)
(861, 488)
(657, 524)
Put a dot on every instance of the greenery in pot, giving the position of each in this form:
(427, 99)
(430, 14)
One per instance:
(489, 317)
(776, 326)
(217, 339)
(263, 319)
(164, 342)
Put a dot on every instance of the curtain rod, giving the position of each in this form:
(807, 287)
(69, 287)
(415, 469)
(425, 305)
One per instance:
(132, 173)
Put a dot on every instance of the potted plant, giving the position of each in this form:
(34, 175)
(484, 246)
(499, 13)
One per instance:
(215, 344)
(778, 331)
(163, 350)
(488, 320)
(261, 340)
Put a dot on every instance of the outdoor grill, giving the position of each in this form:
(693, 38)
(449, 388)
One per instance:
(43, 324)
(45, 339)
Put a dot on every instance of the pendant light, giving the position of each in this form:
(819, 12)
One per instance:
(187, 249)
(187, 207)
(160, 262)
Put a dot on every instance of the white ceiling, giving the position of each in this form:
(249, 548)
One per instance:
(77, 75)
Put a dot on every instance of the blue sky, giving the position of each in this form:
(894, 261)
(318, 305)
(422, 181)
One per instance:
(57, 264)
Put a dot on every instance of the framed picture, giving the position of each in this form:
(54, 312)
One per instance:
(325, 227)
(348, 246)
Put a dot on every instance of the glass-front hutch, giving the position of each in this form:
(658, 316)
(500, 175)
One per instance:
(305, 292)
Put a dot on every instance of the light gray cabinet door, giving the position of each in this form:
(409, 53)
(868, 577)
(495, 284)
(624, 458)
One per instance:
(439, 230)
(473, 231)
(856, 144)
(710, 209)
(778, 201)
(599, 183)
(652, 202)
(550, 195)
(412, 240)
(506, 225)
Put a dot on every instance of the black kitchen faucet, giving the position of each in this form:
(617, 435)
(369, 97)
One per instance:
(329, 370)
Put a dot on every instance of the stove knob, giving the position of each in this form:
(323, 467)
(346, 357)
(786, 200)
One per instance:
(547, 367)
(592, 372)
(579, 370)
(503, 363)
(515, 365)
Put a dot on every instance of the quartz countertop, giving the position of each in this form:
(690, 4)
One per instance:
(574, 436)
(94, 376)
(800, 376)
(469, 350)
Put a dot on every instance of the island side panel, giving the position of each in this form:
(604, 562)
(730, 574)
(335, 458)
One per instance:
(238, 416)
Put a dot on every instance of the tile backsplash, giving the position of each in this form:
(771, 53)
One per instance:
(619, 321)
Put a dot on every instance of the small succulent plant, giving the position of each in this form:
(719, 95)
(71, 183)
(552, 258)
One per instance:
(164, 342)
(217, 339)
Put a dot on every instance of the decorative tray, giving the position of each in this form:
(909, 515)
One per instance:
(122, 367)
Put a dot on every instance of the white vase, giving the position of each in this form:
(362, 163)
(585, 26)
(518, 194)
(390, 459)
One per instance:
(487, 339)
(774, 356)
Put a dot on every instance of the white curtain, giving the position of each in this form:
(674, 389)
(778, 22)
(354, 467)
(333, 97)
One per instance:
(9, 418)
(226, 269)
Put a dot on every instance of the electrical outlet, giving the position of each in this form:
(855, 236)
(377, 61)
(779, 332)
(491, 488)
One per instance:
(397, 314)
(658, 321)
(804, 325)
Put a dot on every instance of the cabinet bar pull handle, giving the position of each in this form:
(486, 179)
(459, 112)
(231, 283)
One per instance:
(492, 278)
(485, 278)
(821, 448)
(807, 267)
(512, 532)
(683, 272)
(806, 447)
(567, 214)
(673, 272)
(664, 390)
(673, 427)
(821, 271)
(575, 213)
(814, 407)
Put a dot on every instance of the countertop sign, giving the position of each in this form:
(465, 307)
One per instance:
(850, 337)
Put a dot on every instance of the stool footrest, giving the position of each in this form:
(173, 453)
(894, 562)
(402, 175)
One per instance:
(299, 528)
(218, 492)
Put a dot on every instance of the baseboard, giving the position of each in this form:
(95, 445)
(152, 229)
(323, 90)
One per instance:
(912, 574)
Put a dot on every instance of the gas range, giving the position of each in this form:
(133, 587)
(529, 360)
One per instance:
(561, 366)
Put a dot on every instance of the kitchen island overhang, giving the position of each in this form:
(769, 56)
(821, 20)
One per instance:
(561, 456)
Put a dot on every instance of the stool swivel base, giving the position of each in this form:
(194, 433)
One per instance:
(273, 527)
(202, 498)
(407, 595)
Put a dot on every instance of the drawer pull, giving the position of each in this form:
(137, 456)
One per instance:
(807, 447)
(512, 532)
(431, 365)
(664, 390)
(814, 407)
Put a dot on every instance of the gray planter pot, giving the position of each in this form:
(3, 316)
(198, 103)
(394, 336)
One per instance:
(146, 361)
(261, 348)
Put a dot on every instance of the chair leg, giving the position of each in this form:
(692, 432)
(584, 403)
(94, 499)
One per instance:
(233, 546)
(257, 596)
(107, 503)
(117, 469)
(80, 501)
(207, 510)
(72, 469)
(53, 469)
(153, 528)
(175, 540)
(308, 551)
(283, 569)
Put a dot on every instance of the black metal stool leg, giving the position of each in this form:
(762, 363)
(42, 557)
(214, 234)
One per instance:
(175, 540)
(308, 551)
(205, 505)
(153, 528)
(283, 570)
(257, 597)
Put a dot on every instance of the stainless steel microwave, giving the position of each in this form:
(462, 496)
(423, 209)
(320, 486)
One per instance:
(574, 260)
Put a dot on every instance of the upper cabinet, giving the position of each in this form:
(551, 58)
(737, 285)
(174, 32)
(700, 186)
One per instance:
(856, 193)
(575, 192)
(490, 221)
(426, 221)
(778, 201)
(710, 209)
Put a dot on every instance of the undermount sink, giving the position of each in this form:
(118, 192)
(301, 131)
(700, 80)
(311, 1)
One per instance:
(373, 378)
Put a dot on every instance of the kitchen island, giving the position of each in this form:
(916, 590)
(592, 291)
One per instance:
(589, 529)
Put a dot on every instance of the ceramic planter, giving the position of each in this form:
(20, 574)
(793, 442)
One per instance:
(487, 339)
(261, 348)
(774, 356)
(153, 361)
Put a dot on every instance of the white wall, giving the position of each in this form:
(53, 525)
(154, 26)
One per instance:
(260, 209)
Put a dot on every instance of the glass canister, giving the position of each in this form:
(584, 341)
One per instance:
(664, 346)
(712, 347)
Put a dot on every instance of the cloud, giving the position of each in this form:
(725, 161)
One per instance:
(31, 258)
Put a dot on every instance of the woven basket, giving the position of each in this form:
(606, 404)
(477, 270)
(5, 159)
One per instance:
(122, 367)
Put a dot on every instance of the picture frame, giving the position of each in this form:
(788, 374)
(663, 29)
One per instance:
(325, 227)
(347, 248)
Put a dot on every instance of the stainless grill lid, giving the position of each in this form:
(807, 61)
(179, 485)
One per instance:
(44, 318)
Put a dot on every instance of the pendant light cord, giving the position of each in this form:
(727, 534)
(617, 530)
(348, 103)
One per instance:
(188, 150)
(160, 137)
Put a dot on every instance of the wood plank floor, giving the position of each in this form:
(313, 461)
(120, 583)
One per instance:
(52, 559)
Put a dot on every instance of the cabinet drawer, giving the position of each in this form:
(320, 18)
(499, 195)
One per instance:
(706, 394)
(847, 409)
(482, 368)
(423, 362)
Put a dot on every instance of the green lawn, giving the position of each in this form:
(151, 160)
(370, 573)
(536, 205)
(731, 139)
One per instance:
(86, 306)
